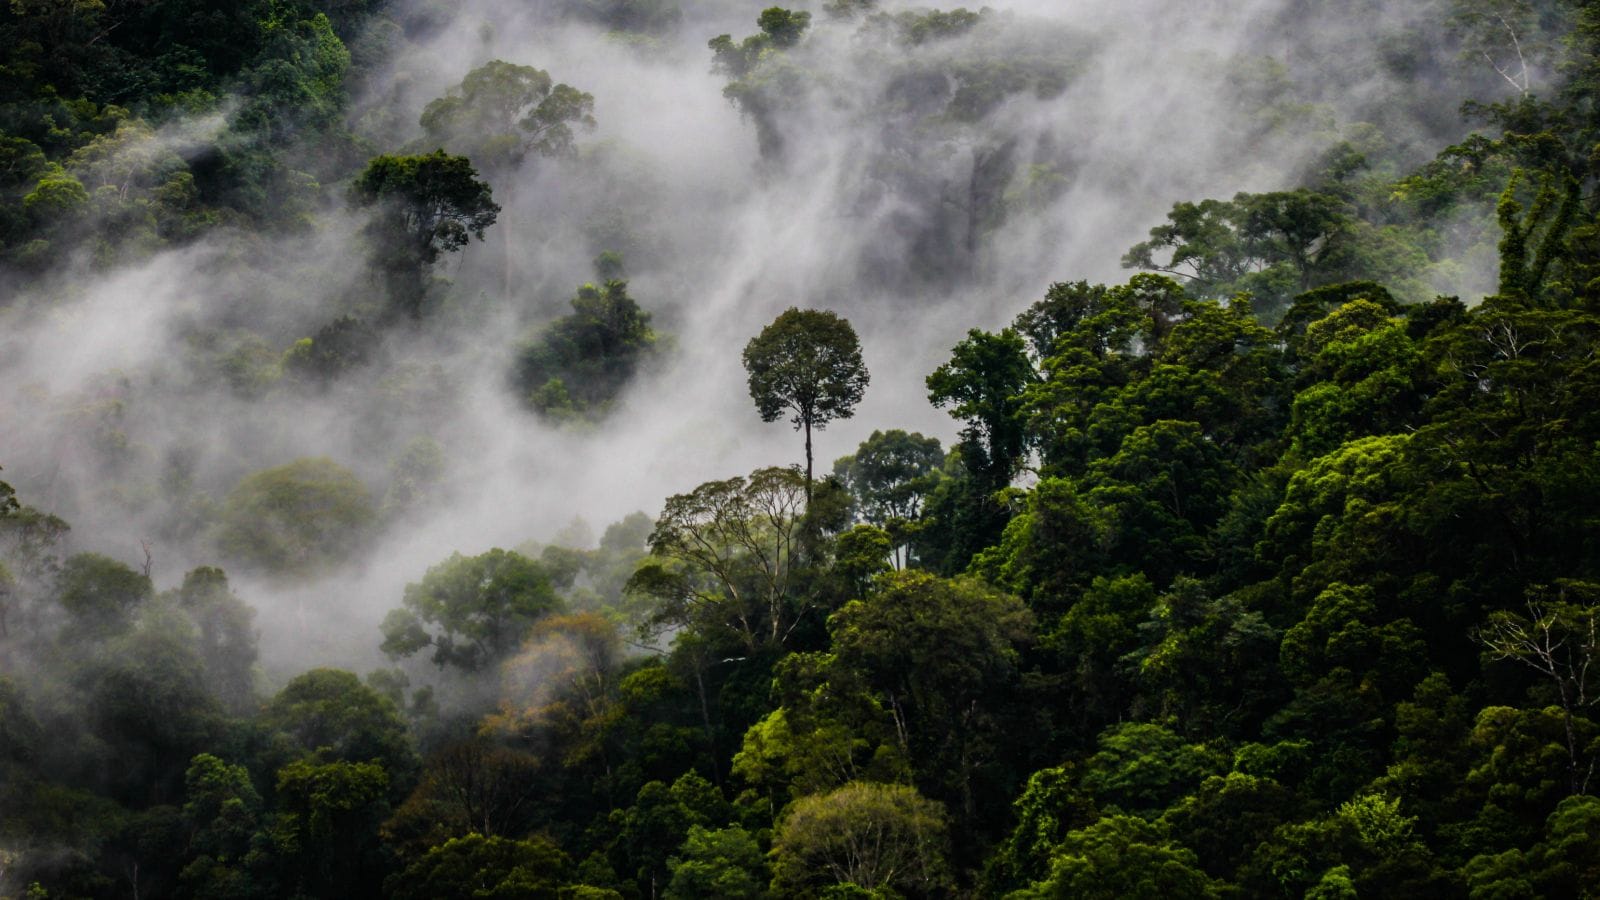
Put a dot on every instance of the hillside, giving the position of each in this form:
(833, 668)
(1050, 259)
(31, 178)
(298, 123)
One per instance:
(680, 449)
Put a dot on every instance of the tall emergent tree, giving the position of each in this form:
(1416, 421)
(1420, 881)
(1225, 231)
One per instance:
(807, 363)
(428, 205)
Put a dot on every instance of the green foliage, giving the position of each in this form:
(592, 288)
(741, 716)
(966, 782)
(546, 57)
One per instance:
(500, 112)
(58, 198)
(890, 477)
(100, 596)
(1227, 818)
(780, 29)
(297, 520)
(806, 365)
(329, 712)
(424, 207)
(1562, 864)
(225, 638)
(872, 836)
(472, 786)
(1532, 236)
(324, 840)
(222, 809)
(890, 473)
(1294, 611)
(1363, 369)
(147, 701)
(1160, 493)
(1050, 806)
(9, 505)
(474, 611)
(860, 554)
(922, 26)
(344, 344)
(941, 657)
(724, 862)
(814, 743)
(477, 866)
(1121, 856)
(1271, 245)
(981, 385)
(647, 834)
(1143, 768)
(723, 559)
(1559, 640)
(579, 364)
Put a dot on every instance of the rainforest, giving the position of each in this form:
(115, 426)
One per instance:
(854, 450)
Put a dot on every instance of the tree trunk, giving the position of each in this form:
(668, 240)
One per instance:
(808, 464)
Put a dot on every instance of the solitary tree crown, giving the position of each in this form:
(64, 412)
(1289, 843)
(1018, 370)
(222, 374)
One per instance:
(430, 205)
(807, 363)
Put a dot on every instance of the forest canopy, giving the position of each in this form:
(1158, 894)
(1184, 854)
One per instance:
(1218, 518)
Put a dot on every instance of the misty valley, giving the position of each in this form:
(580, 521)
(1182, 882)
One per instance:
(855, 450)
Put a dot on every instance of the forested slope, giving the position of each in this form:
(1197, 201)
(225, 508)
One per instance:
(1270, 568)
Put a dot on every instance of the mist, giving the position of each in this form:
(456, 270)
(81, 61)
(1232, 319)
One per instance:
(129, 407)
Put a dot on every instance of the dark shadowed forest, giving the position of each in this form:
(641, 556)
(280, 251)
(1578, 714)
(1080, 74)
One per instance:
(679, 449)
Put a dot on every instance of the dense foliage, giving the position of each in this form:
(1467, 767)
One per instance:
(1260, 574)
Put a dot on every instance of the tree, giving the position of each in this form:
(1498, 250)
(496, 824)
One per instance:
(100, 595)
(724, 558)
(148, 705)
(1205, 246)
(344, 344)
(873, 836)
(227, 642)
(724, 862)
(1566, 863)
(498, 114)
(1364, 368)
(650, 831)
(297, 520)
(886, 473)
(1534, 236)
(806, 363)
(1560, 640)
(783, 27)
(780, 30)
(329, 712)
(941, 656)
(1503, 33)
(477, 866)
(426, 206)
(1274, 244)
(1122, 856)
(983, 384)
(480, 608)
(1227, 818)
(1159, 495)
(8, 500)
(470, 786)
(222, 810)
(325, 838)
(1143, 768)
(580, 363)
(28, 563)
(501, 111)
(890, 474)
